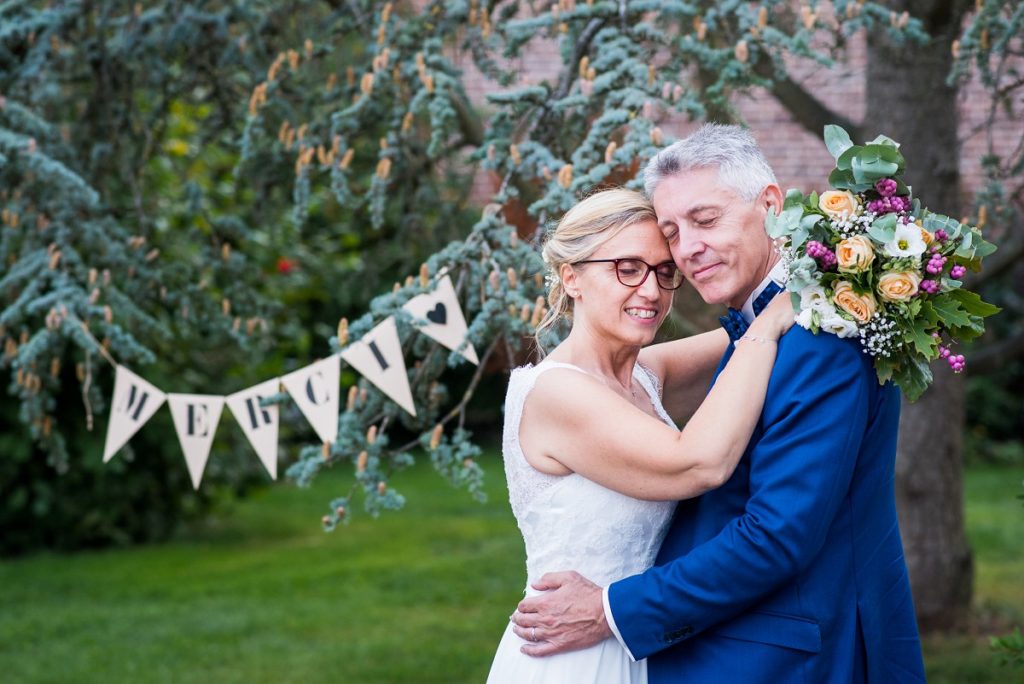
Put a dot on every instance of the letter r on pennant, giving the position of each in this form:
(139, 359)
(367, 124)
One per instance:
(253, 406)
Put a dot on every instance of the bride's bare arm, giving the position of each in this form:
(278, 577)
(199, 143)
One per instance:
(573, 423)
(685, 368)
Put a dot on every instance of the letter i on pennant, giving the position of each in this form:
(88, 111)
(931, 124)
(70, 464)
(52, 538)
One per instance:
(378, 356)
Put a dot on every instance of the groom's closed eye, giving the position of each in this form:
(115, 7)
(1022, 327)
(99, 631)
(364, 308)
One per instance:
(705, 220)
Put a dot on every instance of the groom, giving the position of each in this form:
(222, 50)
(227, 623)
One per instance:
(793, 571)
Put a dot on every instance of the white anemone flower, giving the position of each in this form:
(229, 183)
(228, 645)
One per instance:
(805, 319)
(907, 242)
(814, 297)
(837, 325)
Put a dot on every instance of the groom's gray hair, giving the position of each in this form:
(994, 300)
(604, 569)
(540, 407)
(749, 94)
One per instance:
(741, 164)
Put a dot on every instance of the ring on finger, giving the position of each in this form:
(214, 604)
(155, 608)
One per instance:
(533, 634)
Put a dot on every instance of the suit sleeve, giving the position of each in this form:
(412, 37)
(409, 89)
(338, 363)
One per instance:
(800, 470)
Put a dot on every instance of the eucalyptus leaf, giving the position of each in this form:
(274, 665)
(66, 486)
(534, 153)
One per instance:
(883, 229)
(884, 140)
(837, 140)
(868, 170)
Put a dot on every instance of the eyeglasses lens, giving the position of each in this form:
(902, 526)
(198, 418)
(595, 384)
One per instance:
(632, 272)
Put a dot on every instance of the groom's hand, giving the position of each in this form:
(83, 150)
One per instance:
(569, 616)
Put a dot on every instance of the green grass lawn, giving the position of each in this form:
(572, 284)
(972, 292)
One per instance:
(260, 594)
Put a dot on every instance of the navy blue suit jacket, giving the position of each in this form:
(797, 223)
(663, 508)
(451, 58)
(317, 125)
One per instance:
(793, 571)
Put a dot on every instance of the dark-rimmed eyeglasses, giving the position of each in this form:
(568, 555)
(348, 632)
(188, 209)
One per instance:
(634, 272)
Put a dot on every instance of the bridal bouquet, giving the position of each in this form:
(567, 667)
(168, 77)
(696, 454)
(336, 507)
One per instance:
(866, 260)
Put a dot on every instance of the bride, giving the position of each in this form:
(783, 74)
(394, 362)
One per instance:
(593, 459)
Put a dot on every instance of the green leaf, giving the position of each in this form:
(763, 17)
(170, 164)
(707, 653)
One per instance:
(807, 224)
(913, 377)
(934, 222)
(884, 368)
(950, 313)
(920, 336)
(885, 140)
(966, 247)
(845, 161)
(843, 180)
(868, 170)
(883, 229)
(837, 140)
(974, 328)
(973, 304)
(784, 224)
(793, 198)
(982, 247)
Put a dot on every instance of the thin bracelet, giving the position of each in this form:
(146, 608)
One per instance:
(756, 338)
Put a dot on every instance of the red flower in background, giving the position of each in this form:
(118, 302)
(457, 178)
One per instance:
(285, 265)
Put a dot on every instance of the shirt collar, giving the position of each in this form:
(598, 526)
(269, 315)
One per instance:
(776, 275)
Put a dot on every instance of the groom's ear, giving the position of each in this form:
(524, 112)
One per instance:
(771, 199)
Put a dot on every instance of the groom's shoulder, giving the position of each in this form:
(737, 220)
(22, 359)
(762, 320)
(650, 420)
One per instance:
(800, 345)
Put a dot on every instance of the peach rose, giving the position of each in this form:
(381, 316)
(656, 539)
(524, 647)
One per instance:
(855, 254)
(861, 307)
(898, 287)
(927, 237)
(837, 203)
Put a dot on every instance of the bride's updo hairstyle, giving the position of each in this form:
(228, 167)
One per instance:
(583, 229)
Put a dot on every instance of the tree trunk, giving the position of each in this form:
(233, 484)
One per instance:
(908, 99)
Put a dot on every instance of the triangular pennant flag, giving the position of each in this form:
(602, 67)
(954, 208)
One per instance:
(445, 322)
(134, 402)
(259, 423)
(316, 390)
(378, 356)
(195, 420)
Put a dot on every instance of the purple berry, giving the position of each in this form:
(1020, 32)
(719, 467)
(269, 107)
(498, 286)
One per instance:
(957, 272)
(886, 187)
(941, 235)
(944, 352)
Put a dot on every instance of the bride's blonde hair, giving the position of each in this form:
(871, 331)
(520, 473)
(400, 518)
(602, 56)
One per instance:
(584, 228)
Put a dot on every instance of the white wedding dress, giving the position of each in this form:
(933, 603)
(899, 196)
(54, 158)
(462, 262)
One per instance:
(571, 523)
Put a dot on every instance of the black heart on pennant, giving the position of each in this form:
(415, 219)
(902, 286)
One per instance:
(439, 315)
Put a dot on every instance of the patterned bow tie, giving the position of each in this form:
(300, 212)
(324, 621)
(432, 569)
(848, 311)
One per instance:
(734, 322)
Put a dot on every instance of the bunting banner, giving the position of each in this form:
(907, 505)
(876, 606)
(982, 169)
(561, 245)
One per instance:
(378, 356)
(444, 320)
(134, 402)
(316, 390)
(259, 423)
(195, 420)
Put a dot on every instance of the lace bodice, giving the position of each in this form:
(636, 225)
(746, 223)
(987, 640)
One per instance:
(569, 522)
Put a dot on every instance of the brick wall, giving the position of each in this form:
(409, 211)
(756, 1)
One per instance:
(798, 156)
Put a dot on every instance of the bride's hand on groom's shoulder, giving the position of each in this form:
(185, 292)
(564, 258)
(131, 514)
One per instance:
(776, 319)
(567, 617)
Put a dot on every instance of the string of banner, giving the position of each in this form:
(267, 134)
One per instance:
(315, 389)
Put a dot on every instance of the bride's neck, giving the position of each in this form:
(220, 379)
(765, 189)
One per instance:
(596, 354)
